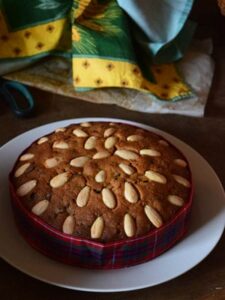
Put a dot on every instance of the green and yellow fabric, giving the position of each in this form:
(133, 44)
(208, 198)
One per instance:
(97, 36)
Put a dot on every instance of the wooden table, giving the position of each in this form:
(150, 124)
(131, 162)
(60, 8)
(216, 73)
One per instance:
(206, 135)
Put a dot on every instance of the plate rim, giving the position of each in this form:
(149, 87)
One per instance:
(142, 125)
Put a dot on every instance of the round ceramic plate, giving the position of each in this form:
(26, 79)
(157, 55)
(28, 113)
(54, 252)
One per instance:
(206, 228)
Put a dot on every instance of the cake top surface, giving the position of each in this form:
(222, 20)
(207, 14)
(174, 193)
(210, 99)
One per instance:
(102, 181)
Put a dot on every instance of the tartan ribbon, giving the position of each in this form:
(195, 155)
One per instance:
(89, 254)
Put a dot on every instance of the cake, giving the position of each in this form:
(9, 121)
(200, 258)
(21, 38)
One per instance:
(105, 190)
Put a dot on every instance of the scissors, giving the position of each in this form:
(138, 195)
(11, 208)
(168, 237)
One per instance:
(9, 90)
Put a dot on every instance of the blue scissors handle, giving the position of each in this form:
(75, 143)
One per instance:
(7, 87)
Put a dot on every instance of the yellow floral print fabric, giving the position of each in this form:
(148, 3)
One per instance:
(31, 41)
(95, 35)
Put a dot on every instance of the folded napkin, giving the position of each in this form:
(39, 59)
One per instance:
(161, 28)
(108, 43)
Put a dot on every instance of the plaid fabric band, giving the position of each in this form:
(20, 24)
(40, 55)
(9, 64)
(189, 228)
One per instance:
(89, 254)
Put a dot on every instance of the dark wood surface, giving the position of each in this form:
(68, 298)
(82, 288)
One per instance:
(206, 135)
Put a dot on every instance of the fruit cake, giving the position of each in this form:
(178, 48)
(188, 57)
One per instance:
(101, 186)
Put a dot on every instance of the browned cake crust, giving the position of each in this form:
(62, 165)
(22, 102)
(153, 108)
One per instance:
(103, 181)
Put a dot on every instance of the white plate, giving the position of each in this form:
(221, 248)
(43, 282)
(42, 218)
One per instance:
(207, 224)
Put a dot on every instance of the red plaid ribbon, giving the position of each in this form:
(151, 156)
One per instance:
(89, 254)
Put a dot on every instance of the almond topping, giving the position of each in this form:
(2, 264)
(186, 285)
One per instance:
(42, 140)
(110, 142)
(108, 198)
(51, 163)
(26, 156)
(22, 169)
(40, 207)
(60, 145)
(100, 176)
(90, 143)
(109, 131)
(181, 180)
(80, 133)
(126, 169)
(79, 162)
(101, 154)
(68, 225)
(134, 138)
(130, 193)
(126, 154)
(176, 200)
(97, 228)
(26, 188)
(149, 152)
(129, 225)
(59, 180)
(154, 176)
(163, 142)
(153, 216)
(82, 197)
(85, 124)
(180, 162)
(61, 129)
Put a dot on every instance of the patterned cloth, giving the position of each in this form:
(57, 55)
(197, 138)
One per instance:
(95, 35)
(90, 254)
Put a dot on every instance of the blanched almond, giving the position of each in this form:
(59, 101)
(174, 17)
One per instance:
(108, 198)
(61, 129)
(110, 142)
(26, 188)
(85, 124)
(153, 216)
(59, 180)
(83, 196)
(163, 142)
(181, 180)
(126, 154)
(155, 176)
(80, 133)
(130, 193)
(26, 156)
(134, 138)
(21, 170)
(68, 225)
(109, 131)
(60, 145)
(40, 207)
(101, 154)
(79, 162)
(51, 162)
(176, 200)
(100, 176)
(97, 228)
(90, 143)
(180, 162)
(129, 225)
(126, 169)
(42, 140)
(150, 152)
